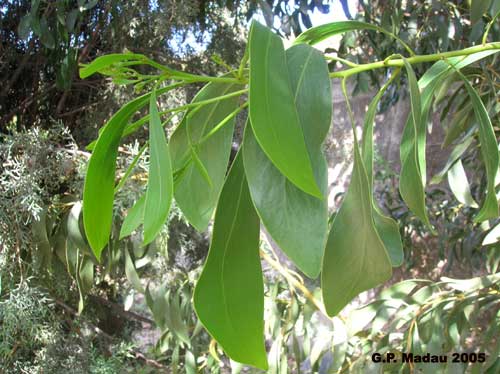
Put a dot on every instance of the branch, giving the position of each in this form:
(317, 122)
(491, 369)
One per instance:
(415, 60)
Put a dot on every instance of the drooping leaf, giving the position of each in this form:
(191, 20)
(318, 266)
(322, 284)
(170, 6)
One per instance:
(459, 185)
(489, 151)
(98, 191)
(134, 218)
(194, 195)
(160, 180)
(387, 228)
(273, 115)
(355, 257)
(296, 220)
(229, 295)
(412, 179)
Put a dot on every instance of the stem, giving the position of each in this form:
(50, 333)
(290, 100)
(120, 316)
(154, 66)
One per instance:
(223, 122)
(293, 282)
(415, 60)
(131, 167)
(135, 125)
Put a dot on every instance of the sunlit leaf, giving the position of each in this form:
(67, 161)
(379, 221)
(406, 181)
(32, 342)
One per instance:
(273, 115)
(459, 185)
(105, 62)
(229, 295)
(131, 272)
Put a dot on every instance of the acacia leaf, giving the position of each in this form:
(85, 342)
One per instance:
(296, 220)
(459, 185)
(355, 257)
(195, 196)
(489, 151)
(273, 114)
(134, 218)
(412, 179)
(386, 227)
(160, 180)
(229, 295)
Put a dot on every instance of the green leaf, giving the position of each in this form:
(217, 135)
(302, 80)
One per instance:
(99, 188)
(98, 193)
(46, 36)
(355, 258)
(459, 185)
(455, 155)
(316, 34)
(160, 181)
(24, 28)
(273, 114)
(412, 179)
(478, 8)
(296, 220)
(105, 62)
(489, 151)
(387, 228)
(195, 196)
(131, 272)
(229, 295)
(134, 219)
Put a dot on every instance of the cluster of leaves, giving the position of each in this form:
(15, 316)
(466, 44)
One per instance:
(278, 176)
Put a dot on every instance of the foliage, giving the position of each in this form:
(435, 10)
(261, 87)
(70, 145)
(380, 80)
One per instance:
(357, 256)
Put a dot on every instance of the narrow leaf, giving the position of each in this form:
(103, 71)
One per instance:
(489, 151)
(160, 181)
(105, 62)
(459, 185)
(300, 232)
(387, 228)
(134, 218)
(98, 191)
(229, 295)
(273, 113)
(131, 272)
(194, 194)
(412, 179)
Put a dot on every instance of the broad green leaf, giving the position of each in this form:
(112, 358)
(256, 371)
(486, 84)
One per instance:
(493, 236)
(160, 181)
(489, 151)
(134, 218)
(459, 185)
(194, 195)
(84, 276)
(355, 257)
(412, 179)
(387, 228)
(75, 230)
(296, 220)
(273, 114)
(229, 295)
(105, 62)
(478, 8)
